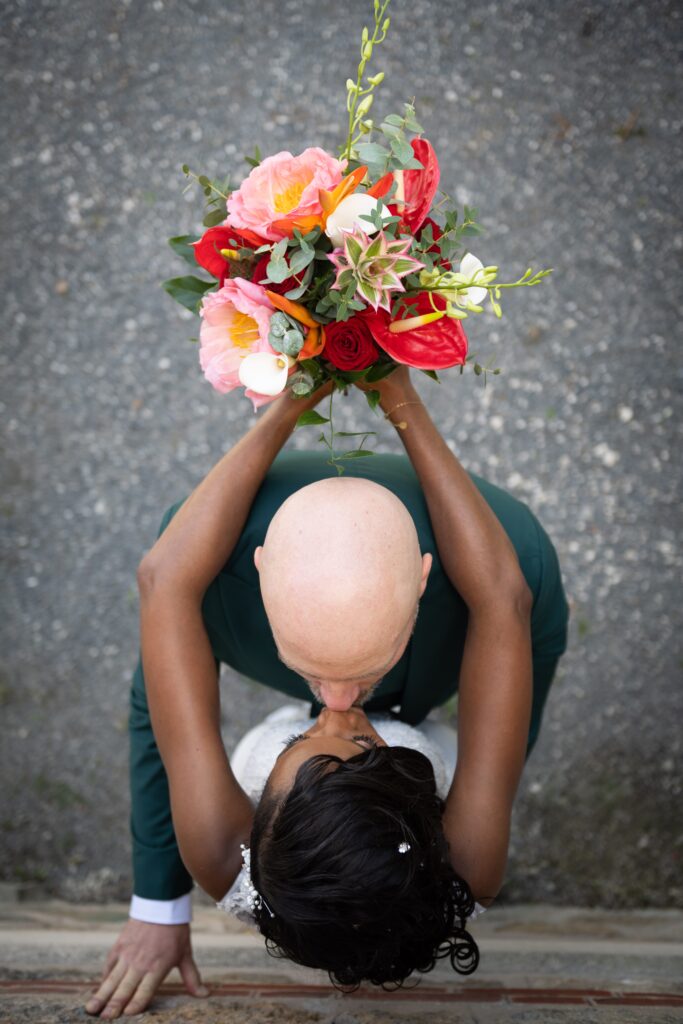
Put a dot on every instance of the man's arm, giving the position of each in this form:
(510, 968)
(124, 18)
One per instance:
(179, 664)
(495, 677)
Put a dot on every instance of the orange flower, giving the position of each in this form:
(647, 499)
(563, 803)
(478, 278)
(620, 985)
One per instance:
(329, 201)
(314, 344)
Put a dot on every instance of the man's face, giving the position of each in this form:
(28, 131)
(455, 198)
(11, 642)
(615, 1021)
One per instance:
(339, 692)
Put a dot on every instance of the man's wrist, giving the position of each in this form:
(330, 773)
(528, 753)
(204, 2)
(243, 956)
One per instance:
(177, 911)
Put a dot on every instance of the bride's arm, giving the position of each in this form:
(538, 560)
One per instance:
(494, 704)
(211, 813)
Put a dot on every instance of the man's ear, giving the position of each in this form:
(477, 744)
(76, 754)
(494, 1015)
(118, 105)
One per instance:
(426, 567)
(257, 557)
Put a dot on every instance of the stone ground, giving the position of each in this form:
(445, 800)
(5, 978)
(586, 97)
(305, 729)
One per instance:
(539, 965)
(562, 123)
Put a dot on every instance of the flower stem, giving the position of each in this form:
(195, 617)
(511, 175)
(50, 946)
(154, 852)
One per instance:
(379, 19)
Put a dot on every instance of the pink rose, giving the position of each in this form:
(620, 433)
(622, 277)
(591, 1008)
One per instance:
(283, 186)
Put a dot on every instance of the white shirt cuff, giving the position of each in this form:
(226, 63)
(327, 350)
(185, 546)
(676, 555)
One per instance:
(177, 911)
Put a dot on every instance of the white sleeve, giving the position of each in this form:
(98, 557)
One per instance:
(178, 911)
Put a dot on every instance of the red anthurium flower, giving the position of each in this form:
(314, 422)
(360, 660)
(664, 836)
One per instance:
(431, 346)
(207, 248)
(419, 186)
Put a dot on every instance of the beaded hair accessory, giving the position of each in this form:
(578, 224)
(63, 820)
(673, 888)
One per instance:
(244, 899)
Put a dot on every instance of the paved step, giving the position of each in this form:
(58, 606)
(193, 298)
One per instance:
(539, 964)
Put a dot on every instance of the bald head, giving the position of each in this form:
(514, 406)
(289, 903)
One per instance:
(341, 575)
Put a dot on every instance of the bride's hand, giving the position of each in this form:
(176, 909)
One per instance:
(137, 965)
(397, 387)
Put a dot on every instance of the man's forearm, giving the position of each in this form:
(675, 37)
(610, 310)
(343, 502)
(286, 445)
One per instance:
(202, 535)
(474, 549)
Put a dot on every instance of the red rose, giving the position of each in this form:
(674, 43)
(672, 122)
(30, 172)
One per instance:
(259, 277)
(349, 344)
(433, 346)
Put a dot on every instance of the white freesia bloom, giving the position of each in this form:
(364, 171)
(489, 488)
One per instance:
(348, 216)
(265, 372)
(469, 268)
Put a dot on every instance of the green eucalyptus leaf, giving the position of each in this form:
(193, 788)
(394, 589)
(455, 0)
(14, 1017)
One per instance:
(296, 293)
(277, 270)
(412, 165)
(279, 325)
(358, 453)
(299, 260)
(301, 383)
(402, 150)
(292, 343)
(372, 153)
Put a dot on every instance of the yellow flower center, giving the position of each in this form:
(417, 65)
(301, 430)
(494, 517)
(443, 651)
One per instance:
(243, 330)
(288, 200)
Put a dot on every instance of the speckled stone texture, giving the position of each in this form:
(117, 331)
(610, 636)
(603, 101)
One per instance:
(561, 122)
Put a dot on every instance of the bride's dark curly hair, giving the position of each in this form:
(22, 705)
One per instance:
(326, 861)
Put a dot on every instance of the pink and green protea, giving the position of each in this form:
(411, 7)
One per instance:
(376, 265)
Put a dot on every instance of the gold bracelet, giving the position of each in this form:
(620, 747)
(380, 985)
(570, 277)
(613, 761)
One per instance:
(402, 425)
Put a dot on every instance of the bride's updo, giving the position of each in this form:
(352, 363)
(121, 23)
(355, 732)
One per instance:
(345, 898)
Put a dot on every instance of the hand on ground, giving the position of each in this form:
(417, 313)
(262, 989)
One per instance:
(138, 963)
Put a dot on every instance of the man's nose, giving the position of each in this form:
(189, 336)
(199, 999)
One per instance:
(339, 696)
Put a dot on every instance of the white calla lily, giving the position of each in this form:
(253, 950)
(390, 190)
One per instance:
(469, 268)
(265, 372)
(348, 215)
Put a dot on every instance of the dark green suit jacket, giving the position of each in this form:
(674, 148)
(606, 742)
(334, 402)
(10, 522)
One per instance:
(425, 676)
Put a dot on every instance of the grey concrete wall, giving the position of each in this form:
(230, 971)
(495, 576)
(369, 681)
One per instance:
(562, 123)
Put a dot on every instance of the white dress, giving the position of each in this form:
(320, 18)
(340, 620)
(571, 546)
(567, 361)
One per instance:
(255, 754)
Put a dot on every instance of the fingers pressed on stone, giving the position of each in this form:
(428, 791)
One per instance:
(144, 993)
(122, 995)
(106, 989)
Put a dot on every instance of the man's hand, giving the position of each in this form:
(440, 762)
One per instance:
(138, 963)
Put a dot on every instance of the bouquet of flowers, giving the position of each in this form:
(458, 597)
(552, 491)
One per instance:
(324, 268)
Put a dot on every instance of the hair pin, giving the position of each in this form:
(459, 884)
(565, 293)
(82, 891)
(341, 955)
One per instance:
(403, 847)
(254, 898)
